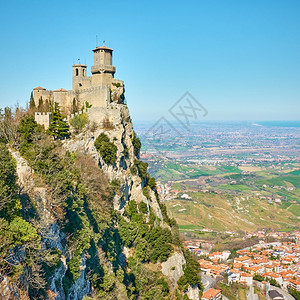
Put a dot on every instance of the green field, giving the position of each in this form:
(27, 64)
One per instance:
(238, 197)
(295, 209)
(281, 180)
(235, 187)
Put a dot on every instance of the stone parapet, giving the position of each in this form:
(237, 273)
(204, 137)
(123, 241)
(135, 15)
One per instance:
(103, 68)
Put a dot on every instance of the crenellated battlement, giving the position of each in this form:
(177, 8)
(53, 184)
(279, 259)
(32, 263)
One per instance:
(71, 116)
(43, 113)
(43, 118)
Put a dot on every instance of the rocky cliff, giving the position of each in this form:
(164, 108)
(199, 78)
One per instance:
(97, 227)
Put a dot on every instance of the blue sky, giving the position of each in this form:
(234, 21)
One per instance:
(240, 59)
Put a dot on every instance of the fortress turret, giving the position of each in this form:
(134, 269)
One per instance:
(79, 76)
(103, 70)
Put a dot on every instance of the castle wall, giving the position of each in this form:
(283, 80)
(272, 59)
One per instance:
(96, 96)
(81, 83)
(43, 118)
(63, 100)
(102, 79)
(37, 94)
(99, 114)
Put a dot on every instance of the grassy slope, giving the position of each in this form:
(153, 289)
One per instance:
(219, 212)
(224, 212)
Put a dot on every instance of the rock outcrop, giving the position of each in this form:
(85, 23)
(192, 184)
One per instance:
(116, 123)
(173, 267)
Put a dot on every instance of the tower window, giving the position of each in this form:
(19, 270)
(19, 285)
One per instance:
(83, 71)
(76, 72)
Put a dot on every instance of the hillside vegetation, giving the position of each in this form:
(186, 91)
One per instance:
(59, 232)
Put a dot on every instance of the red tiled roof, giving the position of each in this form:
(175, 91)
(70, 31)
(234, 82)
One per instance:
(295, 281)
(246, 275)
(60, 90)
(211, 293)
(39, 88)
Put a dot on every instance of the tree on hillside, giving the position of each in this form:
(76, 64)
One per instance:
(41, 103)
(46, 106)
(58, 128)
(31, 102)
(74, 108)
(9, 120)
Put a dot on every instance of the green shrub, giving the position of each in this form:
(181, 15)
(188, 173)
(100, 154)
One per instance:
(295, 293)
(107, 149)
(190, 274)
(79, 121)
(152, 183)
(142, 250)
(108, 280)
(27, 129)
(73, 266)
(159, 240)
(20, 231)
(128, 232)
(8, 186)
(142, 169)
(258, 277)
(117, 84)
(133, 170)
(102, 138)
(152, 243)
(146, 192)
(136, 145)
(143, 207)
(115, 184)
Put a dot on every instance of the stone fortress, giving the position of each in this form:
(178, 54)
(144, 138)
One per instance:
(101, 91)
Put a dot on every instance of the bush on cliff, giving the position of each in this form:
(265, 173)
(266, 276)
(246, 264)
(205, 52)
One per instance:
(107, 149)
(152, 243)
(79, 121)
(136, 145)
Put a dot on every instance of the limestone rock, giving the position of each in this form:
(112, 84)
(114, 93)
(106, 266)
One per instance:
(193, 292)
(173, 267)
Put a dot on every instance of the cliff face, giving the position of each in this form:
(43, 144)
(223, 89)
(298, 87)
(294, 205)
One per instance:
(116, 124)
(102, 232)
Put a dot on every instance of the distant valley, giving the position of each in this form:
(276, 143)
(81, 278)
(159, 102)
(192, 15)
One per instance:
(228, 176)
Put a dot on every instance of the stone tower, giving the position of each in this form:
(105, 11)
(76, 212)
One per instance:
(79, 76)
(102, 71)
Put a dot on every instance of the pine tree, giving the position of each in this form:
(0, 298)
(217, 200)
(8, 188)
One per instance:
(41, 104)
(47, 105)
(58, 128)
(31, 101)
(74, 106)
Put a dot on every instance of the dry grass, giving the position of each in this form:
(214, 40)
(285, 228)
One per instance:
(97, 183)
(107, 124)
